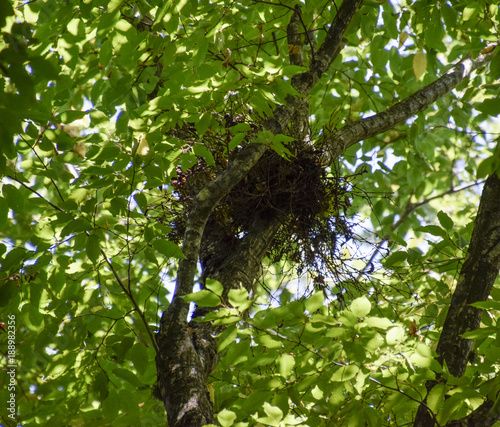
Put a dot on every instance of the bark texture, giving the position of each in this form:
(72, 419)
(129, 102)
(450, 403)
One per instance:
(475, 282)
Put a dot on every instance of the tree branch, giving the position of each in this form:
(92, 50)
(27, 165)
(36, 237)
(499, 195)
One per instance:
(294, 40)
(476, 279)
(331, 47)
(475, 282)
(326, 54)
(334, 144)
(203, 206)
(129, 295)
(211, 195)
(193, 350)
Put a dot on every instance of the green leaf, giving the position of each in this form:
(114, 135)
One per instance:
(139, 356)
(317, 393)
(433, 229)
(344, 373)
(5, 11)
(203, 298)
(395, 335)
(215, 286)
(445, 220)
(376, 322)
(203, 151)
(240, 127)
(4, 212)
(141, 201)
(114, 5)
(291, 70)
(274, 415)
(424, 357)
(236, 140)
(265, 137)
(361, 306)
(226, 418)
(487, 305)
(111, 405)
(286, 363)
(227, 338)
(435, 399)
(101, 385)
(269, 341)
(314, 302)
(471, 10)
(489, 106)
(9, 290)
(14, 198)
(495, 66)
(200, 51)
(128, 376)
(481, 333)
(395, 258)
(168, 249)
(93, 248)
(487, 167)
(239, 298)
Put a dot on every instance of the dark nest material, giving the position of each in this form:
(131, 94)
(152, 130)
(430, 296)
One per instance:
(311, 201)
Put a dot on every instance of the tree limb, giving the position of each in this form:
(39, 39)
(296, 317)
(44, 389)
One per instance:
(295, 51)
(334, 144)
(326, 54)
(211, 195)
(475, 282)
(331, 47)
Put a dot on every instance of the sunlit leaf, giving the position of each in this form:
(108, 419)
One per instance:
(203, 298)
(286, 364)
(226, 418)
(395, 335)
(168, 248)
(419, 64)
(361, 306)
(344, 373)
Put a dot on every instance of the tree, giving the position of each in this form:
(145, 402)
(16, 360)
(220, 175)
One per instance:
(309, 176)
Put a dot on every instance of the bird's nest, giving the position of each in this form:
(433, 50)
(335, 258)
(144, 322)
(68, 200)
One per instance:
(311, 201)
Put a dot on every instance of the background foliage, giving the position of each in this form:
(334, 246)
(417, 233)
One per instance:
(92, 94)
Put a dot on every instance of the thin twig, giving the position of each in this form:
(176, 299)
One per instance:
(410, 207)
(131, 298)
(35, 192)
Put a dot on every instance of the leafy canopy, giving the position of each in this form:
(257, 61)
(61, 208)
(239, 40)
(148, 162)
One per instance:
(92, 93)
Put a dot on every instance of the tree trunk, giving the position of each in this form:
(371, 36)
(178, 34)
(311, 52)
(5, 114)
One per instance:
(188, 350)
(475, 282)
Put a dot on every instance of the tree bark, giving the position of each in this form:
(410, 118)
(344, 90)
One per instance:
(475, 282)
(188, 350)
